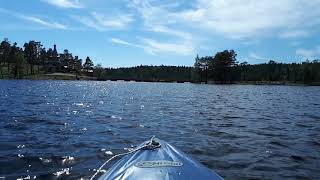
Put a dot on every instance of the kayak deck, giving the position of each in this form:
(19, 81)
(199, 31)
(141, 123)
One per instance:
(164, 162)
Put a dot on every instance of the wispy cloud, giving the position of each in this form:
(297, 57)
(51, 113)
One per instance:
(122, 42)
(100, 22)
(158, 19)
(247, 18)
(53, 25)
(126, 43)
(309, 53)
(65, 3)
(257, 57)
(154, 47)
(170, 31)
(42, 22)
(152, 15)
(234, 19)
(250, 42)
(293, 34)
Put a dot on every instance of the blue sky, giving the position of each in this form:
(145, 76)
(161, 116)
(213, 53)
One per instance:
(171, 32)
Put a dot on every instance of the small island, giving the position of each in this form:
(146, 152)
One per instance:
(33, 61)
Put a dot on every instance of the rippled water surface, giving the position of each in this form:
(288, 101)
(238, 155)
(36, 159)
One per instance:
(65, 129)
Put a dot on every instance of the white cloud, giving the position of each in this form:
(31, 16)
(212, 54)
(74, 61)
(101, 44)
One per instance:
(155, 47)
(236, 18)
(254, 58)
(119, 21)
(122, 42)
(295, 34)
(245, 18)
(65, 3)
(309, 53)
(152, 15)
(250, 42)
(101, 22)
(45, 23)
(158, 19)
(166, 30)
(53, 25)
(258, 57)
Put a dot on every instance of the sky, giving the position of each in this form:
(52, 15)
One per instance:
(124, 33)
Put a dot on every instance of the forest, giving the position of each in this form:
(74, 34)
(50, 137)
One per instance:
(223, 67)
(33, 59)
(146, 73)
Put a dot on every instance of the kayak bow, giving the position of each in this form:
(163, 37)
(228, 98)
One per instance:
(156, 159)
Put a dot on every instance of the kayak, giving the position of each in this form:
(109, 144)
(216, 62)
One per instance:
(156, 159)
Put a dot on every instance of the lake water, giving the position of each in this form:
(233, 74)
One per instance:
(65, 129)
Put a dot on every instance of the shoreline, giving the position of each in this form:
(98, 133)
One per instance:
(59, 76)
(75, 77)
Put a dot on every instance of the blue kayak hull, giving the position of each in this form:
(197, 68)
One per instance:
(165, 162)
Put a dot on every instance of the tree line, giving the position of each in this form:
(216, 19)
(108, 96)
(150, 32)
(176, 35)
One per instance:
(223, 67)
(33, 58)
(145, 73)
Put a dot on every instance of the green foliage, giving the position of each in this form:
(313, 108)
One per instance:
(19, 65)
(223, 68)
(5, 48)
(148, 73)
(20, 62)
(32, 51)
(88, 65)
(306, 72)
(99, 72)
(77, 64)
